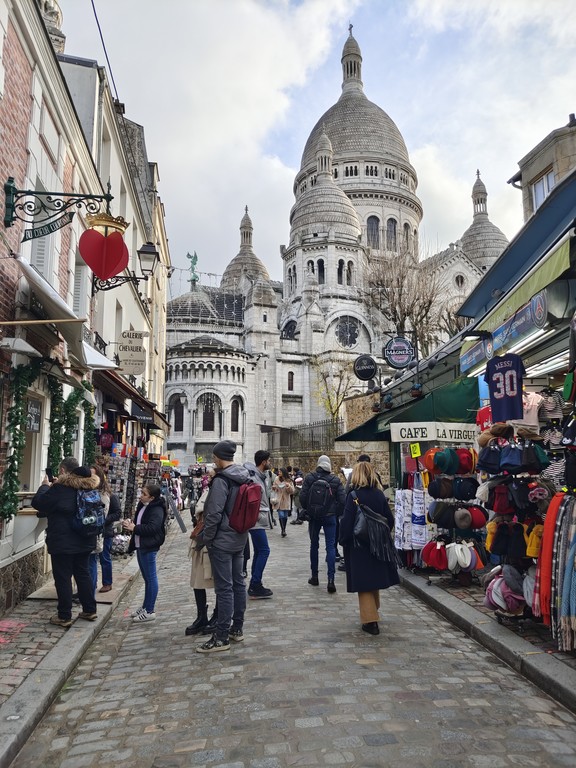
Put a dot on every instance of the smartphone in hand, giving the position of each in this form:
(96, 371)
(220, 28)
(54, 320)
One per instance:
(49, 474)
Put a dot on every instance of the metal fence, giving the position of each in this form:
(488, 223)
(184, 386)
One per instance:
(318, 437)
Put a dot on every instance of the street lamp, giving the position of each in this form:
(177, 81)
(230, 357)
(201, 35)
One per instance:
(148, 259)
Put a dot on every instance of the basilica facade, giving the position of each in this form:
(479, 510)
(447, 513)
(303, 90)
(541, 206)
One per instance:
(253, 354)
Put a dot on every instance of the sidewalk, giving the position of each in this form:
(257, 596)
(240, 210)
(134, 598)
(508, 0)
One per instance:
(37, 659)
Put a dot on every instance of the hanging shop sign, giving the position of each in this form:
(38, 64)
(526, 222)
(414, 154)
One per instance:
(33, 415)
(131, 352)
(365, 368)
(399, 352)
(445, 432)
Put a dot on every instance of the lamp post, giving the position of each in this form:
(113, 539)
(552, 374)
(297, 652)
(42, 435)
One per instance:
(148, 259)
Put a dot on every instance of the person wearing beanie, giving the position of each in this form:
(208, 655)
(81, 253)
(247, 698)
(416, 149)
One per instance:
(69, 551)
(225, 548)
(323, 498)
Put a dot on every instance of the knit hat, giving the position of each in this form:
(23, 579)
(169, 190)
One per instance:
(479, 517)
(446, 461)
(514, 601)
(513, 578)
(465, 488)
(324, 463)
(434, 555)
(364, 457)
(491, 528)
(462, 518)
(225, 450)
(81, 472)
(440, 488)
(501, 541)
(528, 434)
(442, 514)
(473, 561)
(518, 541)
(534, 541)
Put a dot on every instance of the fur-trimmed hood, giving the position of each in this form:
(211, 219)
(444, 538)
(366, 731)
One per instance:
(71, 480)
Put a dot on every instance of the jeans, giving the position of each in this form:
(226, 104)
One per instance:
(64, 567)
(93, 568)
(106, 561)
(230, 590)
(328, 523)
(147, 565)
(261, 552)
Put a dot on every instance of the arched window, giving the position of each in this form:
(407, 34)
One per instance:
(290, 381)
(321, 274)
(391, 235)
(178, 409)
(235, 416)
(310, 266)
(289, 330)
(209, 404)
(335, 173)
(341, 272)
(349, 273)
(406, 243)
(415, 244)
(373, 231)
(459, 280)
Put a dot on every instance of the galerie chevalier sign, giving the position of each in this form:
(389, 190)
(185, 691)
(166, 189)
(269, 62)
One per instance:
(446, 432)
(131, 352)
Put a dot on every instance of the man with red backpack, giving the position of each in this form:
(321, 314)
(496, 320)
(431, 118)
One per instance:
(323, 498)
(225, 546)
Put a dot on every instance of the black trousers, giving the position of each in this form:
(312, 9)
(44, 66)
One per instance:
(64, 567)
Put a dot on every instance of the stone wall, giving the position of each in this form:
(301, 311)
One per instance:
(19, 579)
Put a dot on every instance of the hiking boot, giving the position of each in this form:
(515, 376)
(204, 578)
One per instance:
(197, 626)
(144, 616)
(259, 592)
(105, 588)
(87, 616)
(372, 628)
(314, 581)
(331, 587)
(214, 645)
(210, 628)
(61, 622)
(236, 635)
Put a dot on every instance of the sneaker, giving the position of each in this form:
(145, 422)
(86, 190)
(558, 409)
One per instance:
(259, 592)
(137, 612)
(214, 645)
(61, 622)
(331, 587)
(105, 588)
(314, 581)
(236, 635)
(144, 616)
(88, 616)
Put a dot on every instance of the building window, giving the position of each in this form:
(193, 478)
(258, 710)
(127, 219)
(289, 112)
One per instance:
(264, 318)
(235, 416)
(341, 272)
(459, 280)
(290, 381)
(347, 332)
(321, 274)
(178, 415)
(310, 266)
(391, 235)
(335, 172)
(541, 188)
(406, 243)
(289, 330)
(349, 273)
(209, 404)
(373, 231)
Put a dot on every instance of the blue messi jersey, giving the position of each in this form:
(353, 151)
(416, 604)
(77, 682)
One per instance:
(504, 378)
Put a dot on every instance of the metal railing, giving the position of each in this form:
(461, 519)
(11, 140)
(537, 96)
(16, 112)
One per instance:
(318, 436)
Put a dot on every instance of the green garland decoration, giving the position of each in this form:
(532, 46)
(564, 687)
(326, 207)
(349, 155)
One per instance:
(55, 455)
(22, 377)
(89, 428)
(70, 423)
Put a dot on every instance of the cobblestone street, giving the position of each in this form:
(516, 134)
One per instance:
(307, 687)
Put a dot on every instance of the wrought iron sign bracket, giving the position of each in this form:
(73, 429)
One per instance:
(48, 211)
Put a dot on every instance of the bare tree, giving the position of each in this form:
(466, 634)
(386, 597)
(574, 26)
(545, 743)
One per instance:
(336, 381)
(449, 323)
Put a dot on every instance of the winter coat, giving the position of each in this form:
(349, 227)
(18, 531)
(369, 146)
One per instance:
(364, 572)
(220, 502)
(338, 495)
(200, 567)
(284, 490)
(58, 503)
(151, 530)
(264, 518)
(113, 516)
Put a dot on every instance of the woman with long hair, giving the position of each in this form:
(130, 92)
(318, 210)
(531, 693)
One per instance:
(283, 488)
(113, 514)
(367, 573)
(147, 536)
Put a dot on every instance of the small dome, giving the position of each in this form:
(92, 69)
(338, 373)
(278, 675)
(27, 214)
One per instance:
(482, 242)
(197, 304)
(246, 263)
(351, 47)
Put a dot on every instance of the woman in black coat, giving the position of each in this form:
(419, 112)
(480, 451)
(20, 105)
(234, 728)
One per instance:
(147, 537)
(366, 574)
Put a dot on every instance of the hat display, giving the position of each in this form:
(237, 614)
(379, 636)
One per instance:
(462, 518)
(225, 450)
(528, 434)
(441, 514)
(479, 517)
(441, 488)
(473, 561)
(465, 488)
(428, 459)
(434, 555)
(484, 438)
(534, 541)
(447, 461)
(501, 429)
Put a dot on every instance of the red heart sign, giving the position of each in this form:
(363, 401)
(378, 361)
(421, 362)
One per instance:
(106, 256)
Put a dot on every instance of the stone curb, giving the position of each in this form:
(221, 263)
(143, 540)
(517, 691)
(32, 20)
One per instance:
(22, 712)
(549, 674)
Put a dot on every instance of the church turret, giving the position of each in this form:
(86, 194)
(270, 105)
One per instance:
(482, 242)
(351, 65)
(479, 196)
(246, 264)
(246, 230)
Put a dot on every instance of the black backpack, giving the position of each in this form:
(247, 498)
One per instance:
(320, 498)
(90, 515)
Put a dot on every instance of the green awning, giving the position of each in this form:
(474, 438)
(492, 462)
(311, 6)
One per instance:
(363, 432)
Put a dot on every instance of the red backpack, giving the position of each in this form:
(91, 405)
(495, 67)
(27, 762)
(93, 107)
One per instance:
(246, 509)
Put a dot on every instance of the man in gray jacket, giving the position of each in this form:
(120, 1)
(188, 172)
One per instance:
(256, 590)
(225, 548)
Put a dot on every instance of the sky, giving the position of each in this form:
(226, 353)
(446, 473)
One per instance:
(228, 92)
